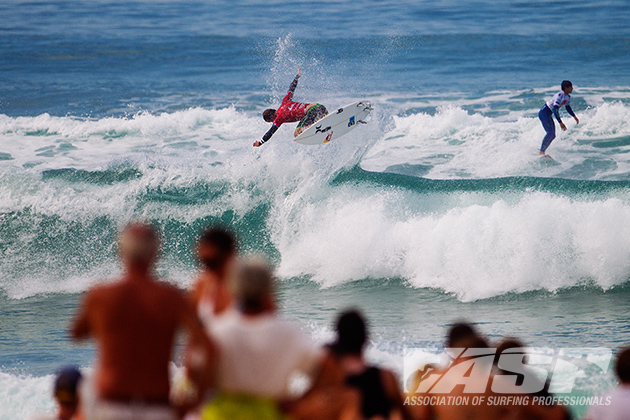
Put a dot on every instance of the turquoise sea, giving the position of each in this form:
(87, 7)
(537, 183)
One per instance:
(437, 210)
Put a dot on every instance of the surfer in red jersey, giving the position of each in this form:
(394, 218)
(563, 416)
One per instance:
(290, 111)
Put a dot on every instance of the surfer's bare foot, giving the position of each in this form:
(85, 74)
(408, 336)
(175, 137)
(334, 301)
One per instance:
(541, 154)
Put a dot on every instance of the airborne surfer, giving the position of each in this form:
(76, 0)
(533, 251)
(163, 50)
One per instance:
(289, 111)
(552, 107)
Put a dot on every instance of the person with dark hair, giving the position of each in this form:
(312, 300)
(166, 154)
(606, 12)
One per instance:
(515, 348)
(459, 335)
(378, 388)
(216, 250)
(617, 406)
(289, 111)
(66, 393)
(465, 335)
(551, 108)
(135, 321)
(469, 373)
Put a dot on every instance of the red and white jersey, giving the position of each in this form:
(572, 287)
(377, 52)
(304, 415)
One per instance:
(289, 111)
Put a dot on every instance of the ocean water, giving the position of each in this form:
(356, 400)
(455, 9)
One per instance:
(437, 210)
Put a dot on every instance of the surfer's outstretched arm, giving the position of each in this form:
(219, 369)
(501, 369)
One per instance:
(266, 137)
(294, 83)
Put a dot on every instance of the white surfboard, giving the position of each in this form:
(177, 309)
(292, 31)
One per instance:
(336, 124)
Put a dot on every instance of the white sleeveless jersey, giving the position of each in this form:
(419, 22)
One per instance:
(560, 99)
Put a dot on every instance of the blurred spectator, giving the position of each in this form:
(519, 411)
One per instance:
(259, 353)
(216, 250)
(534, 411)
(134, 321)
(380, 394)
(619, 398)
(469, 374)
(66, 395)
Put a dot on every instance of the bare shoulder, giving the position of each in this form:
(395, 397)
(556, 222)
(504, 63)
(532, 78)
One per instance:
(393, 390)
(100, 290)
(152, 290)
(170, 288)
(390, 382)
(389, 377)
(171, 294)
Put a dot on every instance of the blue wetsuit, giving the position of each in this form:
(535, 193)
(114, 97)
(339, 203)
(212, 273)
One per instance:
(550, 108)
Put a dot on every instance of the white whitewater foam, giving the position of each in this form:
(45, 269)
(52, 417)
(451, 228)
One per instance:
(538, 241)
(24, 396)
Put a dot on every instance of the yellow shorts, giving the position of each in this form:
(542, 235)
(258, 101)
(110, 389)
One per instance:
(227, 406)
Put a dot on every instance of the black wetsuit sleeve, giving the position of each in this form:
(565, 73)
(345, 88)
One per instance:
(293, 84)
(268, 134)
(570, 110)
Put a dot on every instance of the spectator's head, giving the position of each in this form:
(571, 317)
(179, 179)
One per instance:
(138, 244)
(66, 391)
(216, 247)
(622, 366)
(269, 115)
(351, 333)
(516, 347)
(253, 286)
(464, 335)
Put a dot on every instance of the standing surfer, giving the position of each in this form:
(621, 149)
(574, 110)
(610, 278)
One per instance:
(289, 111)
(560, 99)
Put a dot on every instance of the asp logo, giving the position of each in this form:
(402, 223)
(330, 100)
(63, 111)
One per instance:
(514, 371)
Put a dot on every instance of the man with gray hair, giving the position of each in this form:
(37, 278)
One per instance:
(134, 321)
